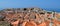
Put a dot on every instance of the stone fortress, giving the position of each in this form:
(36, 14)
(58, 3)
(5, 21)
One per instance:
(28, 17)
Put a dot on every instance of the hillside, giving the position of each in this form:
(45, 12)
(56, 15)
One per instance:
(28, 17)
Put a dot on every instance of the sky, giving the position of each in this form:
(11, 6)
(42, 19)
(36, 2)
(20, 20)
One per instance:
(44, 4)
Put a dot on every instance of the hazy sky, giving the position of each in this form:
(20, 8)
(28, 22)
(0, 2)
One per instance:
(49, 4)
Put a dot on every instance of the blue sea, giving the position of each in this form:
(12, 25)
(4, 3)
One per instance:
(49, 5)
(47, 9)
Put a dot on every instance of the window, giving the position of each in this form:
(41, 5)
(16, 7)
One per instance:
(25, 9)
(42, 13)
(32, 8)
(49, 12)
